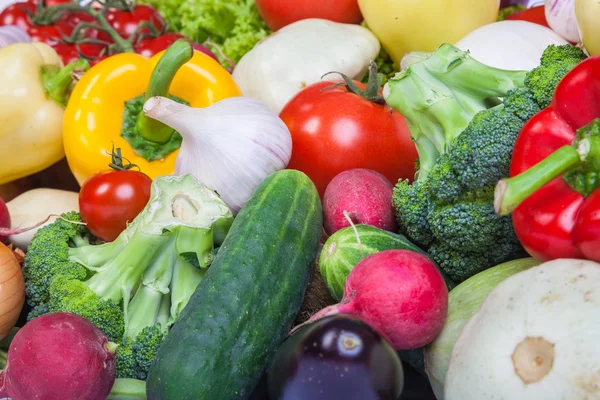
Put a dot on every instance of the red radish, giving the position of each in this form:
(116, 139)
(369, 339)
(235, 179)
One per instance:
(59, 356)
(366, 196)
(4, 219)
(399, 293)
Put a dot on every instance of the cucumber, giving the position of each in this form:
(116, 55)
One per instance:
(246, 303)
(342, 252)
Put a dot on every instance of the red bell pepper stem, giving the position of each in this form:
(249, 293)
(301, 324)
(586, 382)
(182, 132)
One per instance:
(511, 192)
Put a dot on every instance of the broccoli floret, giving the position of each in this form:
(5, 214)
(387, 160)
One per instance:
(412, 208)
(449, 210)
(469, 224)
(126, 366)
(135, 357)
(460, 265)
(72, 295)
(440, 95)
(48, 256)
(140, 281)
(555, 63)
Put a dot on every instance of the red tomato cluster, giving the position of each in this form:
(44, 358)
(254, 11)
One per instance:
(96, 44)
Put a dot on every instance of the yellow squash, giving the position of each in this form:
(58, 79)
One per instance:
(403, 26)
(94, 115)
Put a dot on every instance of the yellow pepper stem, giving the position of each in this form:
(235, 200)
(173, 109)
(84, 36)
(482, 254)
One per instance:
(163, 74)
(56, 81)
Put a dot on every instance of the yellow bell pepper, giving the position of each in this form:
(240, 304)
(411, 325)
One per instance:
(403, 26)
(32, 96)
(587, 13)
(94, 116)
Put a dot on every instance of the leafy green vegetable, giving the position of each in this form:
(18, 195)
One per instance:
(233, 25)
(463, 301)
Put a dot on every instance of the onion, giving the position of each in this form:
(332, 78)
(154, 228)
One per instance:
(11, 34)
(560, 15)
(12, 290)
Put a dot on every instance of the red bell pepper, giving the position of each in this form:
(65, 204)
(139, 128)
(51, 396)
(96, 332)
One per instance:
(553, 192)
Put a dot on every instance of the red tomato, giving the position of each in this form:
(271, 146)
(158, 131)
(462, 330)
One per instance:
(335, 130)
(70, 52)
(151, 46)
(278, 13)
(48, 34)
(126, 22)
(16, 14)
(533, 14)
(108, 200)
(70, 21)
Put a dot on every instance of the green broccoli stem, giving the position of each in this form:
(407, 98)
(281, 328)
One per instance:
(94, 257)
(144, 310)
(162, 76)
(195, 245)
(186, 279)
(125, 388)
(511, 192)
(118, 278)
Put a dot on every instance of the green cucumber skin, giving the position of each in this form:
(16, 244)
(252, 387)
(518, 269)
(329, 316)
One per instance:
(246, 303)
(342, 252)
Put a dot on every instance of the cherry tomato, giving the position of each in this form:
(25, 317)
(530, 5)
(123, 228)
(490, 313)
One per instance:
(334, 130)
(70, 21)
(110, 199)
(70, 52)
(533, 14)
(48, 34)
(126, 22)
(16, 14)
(278, 13)
(151, 46)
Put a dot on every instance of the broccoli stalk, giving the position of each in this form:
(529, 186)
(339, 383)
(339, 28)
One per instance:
(578, 162)
(440, 94)
(135, 287)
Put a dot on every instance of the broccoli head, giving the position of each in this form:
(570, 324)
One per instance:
(449, 210)
(139, 283)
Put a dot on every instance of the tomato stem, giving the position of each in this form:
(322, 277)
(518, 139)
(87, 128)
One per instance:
(372, 91)
(162, 76)
(116, 160)
(124, 44)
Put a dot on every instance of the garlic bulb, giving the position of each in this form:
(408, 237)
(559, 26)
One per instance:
(230, 146)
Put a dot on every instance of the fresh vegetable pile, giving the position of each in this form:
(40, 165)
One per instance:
(284, 200)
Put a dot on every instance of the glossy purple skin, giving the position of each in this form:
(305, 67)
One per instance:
(337, 357)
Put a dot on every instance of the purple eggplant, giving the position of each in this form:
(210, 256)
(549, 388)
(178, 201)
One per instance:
(337, 357)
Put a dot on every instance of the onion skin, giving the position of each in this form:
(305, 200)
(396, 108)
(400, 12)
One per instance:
(12, 290)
